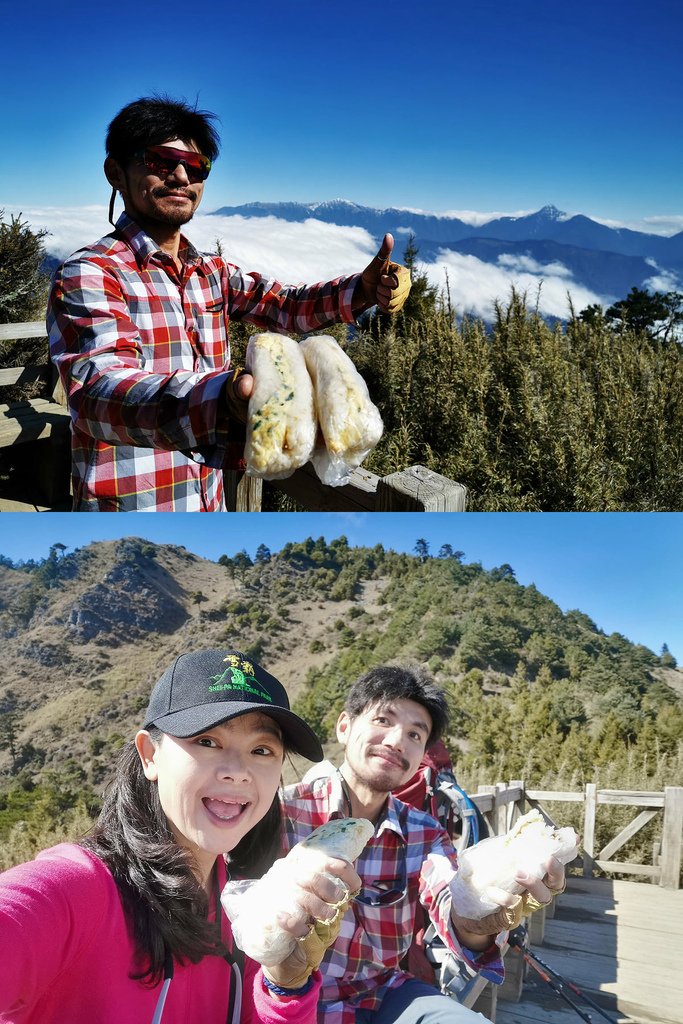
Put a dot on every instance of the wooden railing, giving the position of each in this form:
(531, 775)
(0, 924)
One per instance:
(44, 418)
(502, 804)
(415, 489)
(10, 375)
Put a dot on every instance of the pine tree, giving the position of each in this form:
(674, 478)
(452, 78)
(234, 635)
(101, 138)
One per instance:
(656, 314)
(666, 657)
(242, 562)
(423, 298)
(421, 549)
(262, 555)
(23, 282)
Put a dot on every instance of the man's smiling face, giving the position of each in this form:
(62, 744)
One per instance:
(384, 744)
(155, 198)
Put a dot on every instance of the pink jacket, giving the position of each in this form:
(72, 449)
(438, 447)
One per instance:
(66, 953)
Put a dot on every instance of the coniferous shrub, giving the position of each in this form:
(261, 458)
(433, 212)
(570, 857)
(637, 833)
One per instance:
(586, 416)
(23, 283)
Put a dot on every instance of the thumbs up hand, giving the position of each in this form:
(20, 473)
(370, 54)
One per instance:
(383, 283)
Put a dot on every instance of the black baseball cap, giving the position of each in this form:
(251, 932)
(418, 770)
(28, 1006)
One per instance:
(204, 688)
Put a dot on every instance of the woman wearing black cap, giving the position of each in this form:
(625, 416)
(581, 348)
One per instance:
(122, 926)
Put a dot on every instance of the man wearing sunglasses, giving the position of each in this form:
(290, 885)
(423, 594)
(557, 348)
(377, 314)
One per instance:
(138, 325)
(391, 715)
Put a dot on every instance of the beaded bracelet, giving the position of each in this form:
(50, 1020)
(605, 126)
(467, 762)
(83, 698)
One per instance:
(278, 990)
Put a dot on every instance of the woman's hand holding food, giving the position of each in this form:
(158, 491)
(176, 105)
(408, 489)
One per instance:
(321, 899)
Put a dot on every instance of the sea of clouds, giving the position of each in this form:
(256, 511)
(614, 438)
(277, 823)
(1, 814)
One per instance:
(314, 251)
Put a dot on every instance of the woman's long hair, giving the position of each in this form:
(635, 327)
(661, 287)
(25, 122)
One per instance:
(165, 906)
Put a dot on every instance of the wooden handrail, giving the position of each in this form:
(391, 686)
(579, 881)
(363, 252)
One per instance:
(415, 489)
(15, 332)
(500, 801)
(26, 374)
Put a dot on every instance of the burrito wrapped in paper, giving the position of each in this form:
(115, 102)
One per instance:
(255, 906)
(495, 861)
(350, 424)
(281, 424)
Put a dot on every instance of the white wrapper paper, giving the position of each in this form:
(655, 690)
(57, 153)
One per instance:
(494, 862)
(281, 424)
(255, 908)
(350, 424)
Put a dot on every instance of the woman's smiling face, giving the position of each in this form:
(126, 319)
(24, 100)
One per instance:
(215, 786)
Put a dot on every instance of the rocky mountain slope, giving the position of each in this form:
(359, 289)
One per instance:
(81, 655)
(86, 634)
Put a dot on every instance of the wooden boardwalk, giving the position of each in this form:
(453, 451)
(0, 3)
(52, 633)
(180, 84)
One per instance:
(621, 943)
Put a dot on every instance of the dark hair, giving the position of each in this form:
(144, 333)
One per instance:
(396, 682)
(152, 120)
(165, 905)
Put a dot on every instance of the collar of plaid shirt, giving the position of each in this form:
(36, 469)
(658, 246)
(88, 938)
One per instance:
(145, 247)
(339, 807)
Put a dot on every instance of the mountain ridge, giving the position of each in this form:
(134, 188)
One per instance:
(348, 213)
(87, 634)
(609, 261)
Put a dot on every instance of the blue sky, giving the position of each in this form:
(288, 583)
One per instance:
(487, 106)
(624, 570)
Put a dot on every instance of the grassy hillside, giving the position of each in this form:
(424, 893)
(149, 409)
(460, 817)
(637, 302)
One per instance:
(534, 693)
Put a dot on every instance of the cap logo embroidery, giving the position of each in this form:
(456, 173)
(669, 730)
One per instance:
(238, 676)
(236, 662)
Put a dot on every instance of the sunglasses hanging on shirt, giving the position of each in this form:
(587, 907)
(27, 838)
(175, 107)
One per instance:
(381, 893)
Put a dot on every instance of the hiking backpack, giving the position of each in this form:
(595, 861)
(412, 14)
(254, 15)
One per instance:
(434, 789)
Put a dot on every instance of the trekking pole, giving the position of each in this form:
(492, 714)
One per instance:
(574, 988)
(534, 960)
(557, 988)
(550, 981)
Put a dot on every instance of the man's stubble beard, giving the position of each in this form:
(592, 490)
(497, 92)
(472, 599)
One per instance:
(173, 219)
(382, 780)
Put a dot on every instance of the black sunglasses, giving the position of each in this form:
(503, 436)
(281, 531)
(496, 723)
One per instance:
(382, 893)
(163, 160)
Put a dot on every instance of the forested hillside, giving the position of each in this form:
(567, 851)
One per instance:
(535, 693)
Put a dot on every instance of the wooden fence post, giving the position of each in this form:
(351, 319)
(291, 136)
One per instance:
(672, 829)
(242, 492)
(500, 810)
(489, 815)
(517, 808)
(589, 829)
(536, 926)
(418, 489)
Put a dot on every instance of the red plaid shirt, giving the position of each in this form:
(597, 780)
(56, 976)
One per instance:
(409, 850)
(144, 356)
